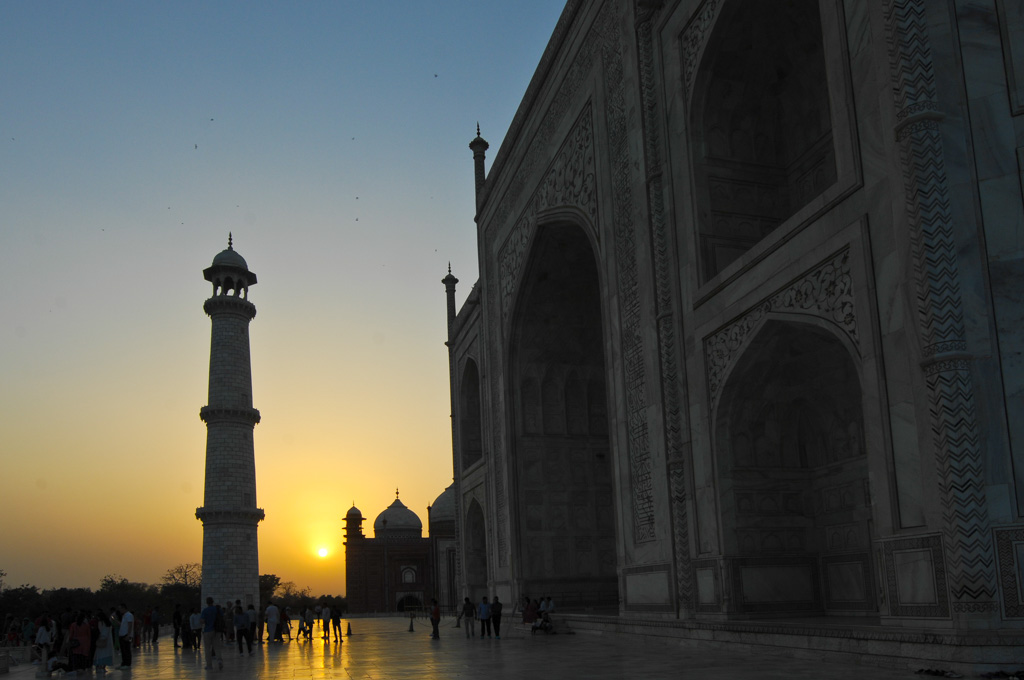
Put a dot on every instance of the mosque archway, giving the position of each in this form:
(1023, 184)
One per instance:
(560, 454)
(793, 475)
(760, 116)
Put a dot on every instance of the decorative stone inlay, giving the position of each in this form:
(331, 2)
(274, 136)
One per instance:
(569, 181)
(624, 229)
(695, 38)
(1008, 541)
(668, 350)
(825, 292)
(940, 310)
(931, 543)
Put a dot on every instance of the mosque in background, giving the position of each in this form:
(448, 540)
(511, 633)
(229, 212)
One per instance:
(398, 569)
(746, 338)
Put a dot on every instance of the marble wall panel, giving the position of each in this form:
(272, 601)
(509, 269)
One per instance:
(915, 576)
(1011, 20)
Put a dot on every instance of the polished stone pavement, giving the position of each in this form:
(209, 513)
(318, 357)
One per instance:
(384, 648)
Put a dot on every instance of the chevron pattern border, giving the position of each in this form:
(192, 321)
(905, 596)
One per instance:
(668, 351)
(968, 545)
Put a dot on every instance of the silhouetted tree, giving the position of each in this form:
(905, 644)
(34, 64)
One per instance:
(187, 574)
(269, 584)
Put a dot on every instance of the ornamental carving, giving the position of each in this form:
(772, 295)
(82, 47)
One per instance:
(825, 292)
(695, 38)
(569, 181)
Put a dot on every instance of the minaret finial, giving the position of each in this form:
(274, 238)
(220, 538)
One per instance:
(449, 267)
(396, 493)
(229, 241)
(478, 128)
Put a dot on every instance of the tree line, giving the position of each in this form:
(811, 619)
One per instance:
(181, 584)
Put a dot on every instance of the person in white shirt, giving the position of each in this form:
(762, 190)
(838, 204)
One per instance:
(273, 622)
(125, 635)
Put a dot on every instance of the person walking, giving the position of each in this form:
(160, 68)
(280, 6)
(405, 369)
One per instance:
(496, 617)
(325, 620)
(195, 623)
(241, 621)
(435, 618)
(211, 637)
(104, 643)
(125, 634)
(483, 612)
(176, 620)
(469, 618)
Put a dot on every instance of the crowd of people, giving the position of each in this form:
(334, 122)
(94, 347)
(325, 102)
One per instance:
(75, 641)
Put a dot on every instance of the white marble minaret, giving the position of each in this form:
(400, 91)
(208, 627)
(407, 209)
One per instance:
(229, 513)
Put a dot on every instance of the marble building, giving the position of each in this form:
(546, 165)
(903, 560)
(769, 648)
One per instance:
(745, 343)
(229, 514)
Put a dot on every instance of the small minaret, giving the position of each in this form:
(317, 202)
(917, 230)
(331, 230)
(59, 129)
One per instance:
(479, 146)
(449, 289)
(229, 513)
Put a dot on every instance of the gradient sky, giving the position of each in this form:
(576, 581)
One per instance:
(331, 139)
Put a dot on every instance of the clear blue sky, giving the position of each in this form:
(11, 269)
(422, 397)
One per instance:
(331, 139)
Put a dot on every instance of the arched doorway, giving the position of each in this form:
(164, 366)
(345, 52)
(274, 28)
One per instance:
(793, 476)
(476, 551)
(561, 455)
(760, 117)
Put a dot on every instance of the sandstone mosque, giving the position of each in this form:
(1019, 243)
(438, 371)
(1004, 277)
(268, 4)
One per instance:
(743, 361)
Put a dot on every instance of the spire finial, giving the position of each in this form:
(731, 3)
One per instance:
(449, 267)
(396, 493)
(478, 128)
(229, 241)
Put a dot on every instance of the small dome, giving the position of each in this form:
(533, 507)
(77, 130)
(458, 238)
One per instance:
(353, 512)
(444, 507)
(399, 519)
(230, 258)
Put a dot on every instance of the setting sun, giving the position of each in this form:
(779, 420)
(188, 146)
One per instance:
(322, 552)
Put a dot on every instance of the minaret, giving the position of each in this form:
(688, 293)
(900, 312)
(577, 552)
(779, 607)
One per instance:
(449, 290)
(479, 145)
(229, 513)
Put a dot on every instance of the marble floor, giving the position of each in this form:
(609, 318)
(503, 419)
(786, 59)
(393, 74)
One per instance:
(384, 648)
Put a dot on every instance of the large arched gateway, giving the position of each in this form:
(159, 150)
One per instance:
(560, 454)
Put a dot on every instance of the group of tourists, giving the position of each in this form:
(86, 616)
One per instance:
(538, 614)
(487, 613)
(80, 640)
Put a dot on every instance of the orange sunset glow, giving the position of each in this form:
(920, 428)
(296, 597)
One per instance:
(331, 140)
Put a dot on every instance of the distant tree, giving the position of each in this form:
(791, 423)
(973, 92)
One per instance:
(59, 599)
(269, 584)
(25, 600)
(115, 589)
(182, 585)
(187, 574)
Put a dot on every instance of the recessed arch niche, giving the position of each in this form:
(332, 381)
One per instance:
(793, 474)
(476, 551)
(471, 439)
(760, 123)
(560, 452)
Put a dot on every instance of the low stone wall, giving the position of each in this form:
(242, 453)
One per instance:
(973, 652)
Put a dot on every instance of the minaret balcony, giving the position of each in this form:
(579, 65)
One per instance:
(229, 304)
(228, 414)
(230, 515)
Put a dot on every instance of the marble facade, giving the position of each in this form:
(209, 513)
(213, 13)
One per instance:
(746, 337)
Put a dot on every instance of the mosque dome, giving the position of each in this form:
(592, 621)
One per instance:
(444, 507)
(353, 512)
(399, 521)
